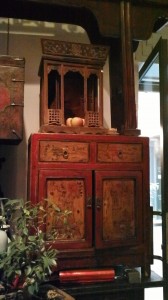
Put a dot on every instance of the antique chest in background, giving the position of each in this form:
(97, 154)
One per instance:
(104, 181)
(11, 98)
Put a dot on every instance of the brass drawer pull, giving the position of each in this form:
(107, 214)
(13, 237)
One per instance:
(65, 153)
(98, 203)
(120, 154)
(89, 202)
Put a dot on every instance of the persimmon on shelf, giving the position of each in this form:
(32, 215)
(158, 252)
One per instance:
(76, 121)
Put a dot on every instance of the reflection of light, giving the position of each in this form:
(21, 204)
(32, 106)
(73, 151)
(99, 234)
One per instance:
(149, 113)
(152, 75)
(72, 28)
(31, 27)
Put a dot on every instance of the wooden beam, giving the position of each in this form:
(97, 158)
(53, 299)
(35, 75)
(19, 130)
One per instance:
(99, 17)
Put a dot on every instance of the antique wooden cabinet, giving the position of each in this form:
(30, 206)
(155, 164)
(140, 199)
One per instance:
(71, 85)
(12, 71)
(103, 180)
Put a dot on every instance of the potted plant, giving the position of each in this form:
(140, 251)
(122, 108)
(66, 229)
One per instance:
(29, 260)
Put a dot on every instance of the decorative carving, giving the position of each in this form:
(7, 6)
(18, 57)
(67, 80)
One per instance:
(75, 50)
(71, 85)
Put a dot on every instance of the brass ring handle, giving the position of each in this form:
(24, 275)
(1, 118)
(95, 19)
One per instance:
(98, 203)
(120, 154)
(89, 202)
(65, 154)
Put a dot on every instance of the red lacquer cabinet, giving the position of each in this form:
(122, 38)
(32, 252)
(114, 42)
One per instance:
(104, 181)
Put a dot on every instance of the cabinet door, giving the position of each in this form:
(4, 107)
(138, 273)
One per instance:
(118, 208)
(70, 190)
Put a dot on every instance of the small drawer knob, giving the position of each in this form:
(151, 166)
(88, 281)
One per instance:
(65, 153)
(120, 154)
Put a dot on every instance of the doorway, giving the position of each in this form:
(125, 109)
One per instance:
(152, 120)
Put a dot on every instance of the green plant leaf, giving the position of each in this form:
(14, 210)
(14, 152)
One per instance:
(29, 254)
(32, 238)
(18, 272)
(28, 270)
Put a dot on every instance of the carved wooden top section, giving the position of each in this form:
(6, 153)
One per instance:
(74, 50)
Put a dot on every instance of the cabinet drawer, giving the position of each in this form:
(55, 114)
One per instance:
(116, 152)
(63, 151)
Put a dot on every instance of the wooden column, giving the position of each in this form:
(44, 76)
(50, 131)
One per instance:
(130, 122)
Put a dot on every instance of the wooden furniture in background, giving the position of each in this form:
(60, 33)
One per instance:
(118, 24)
(104, 181)
(11, 98)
